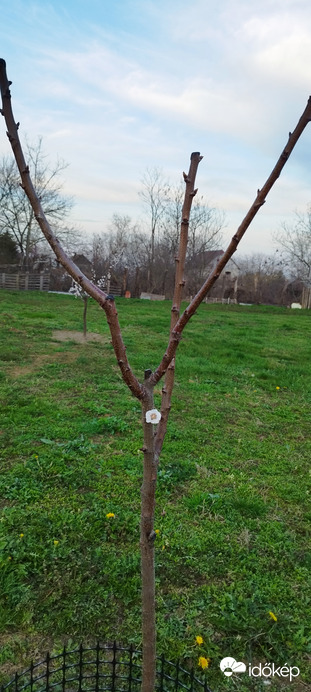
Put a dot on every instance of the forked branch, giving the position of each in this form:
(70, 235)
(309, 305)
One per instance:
(208, 284)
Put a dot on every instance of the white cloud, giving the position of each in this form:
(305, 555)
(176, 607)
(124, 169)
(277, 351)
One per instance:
(59, 134)
(229, 79)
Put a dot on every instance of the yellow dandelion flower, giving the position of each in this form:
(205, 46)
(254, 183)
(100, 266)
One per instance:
(277, 388)
(163, 547)
(56, 542)
(9, 558)
(272, 616)
(21, 535)
(204, 662)
(157, 531)
(110, 515)
(199, 640)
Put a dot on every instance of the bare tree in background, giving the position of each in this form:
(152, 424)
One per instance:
(163, 203)
(16, 214)
(144, 390)
(295, 243)
(123, 249)
(261, 279)
(154, 195)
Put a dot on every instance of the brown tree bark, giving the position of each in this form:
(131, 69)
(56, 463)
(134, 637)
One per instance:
(167, 389)
(147, 540)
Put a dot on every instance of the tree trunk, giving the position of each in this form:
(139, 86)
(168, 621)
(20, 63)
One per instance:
(124, 280)
(147, 539)
(137, 284)
(85, 301)
(28, 238)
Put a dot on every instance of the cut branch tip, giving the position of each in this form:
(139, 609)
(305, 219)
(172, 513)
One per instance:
(148, 373)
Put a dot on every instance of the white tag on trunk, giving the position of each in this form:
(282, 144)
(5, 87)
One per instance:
(153, 416)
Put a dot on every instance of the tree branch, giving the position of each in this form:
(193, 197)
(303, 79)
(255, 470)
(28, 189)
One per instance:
(208, 284)
(190, 193)
(105, 301)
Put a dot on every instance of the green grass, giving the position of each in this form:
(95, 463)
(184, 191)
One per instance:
(233, 498)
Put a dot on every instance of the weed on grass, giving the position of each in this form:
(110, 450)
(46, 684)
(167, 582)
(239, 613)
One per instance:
(233, 499)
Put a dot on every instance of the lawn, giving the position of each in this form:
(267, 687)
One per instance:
(233, 499)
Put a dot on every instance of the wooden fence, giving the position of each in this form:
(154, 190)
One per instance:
(25, 281)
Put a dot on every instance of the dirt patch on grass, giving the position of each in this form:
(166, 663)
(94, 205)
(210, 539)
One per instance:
(78, 337)
(38, 361)
(19, 370)
(21, 648)
(61, 335)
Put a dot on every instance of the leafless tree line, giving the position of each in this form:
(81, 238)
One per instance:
(142, 251)
(140, 256)
(148, 260)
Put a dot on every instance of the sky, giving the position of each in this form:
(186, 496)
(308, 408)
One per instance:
(117, 87)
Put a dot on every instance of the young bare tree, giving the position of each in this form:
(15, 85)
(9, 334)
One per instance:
(16, 214)
(143, 390)
(122, 250)
(295, 243)
(163, 204)
(154, 195)
(261, 279)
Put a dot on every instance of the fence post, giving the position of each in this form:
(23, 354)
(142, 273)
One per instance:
(80, 664)
(41, 281)
(114, 662)
(47, 671)
(64, 670)
(97, 668)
